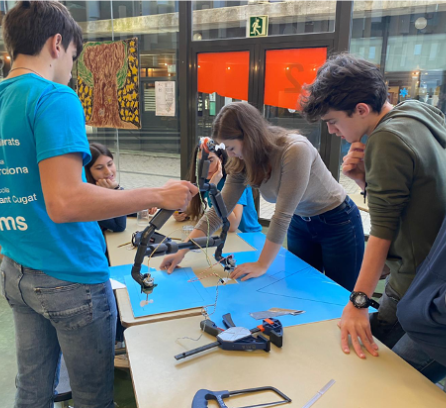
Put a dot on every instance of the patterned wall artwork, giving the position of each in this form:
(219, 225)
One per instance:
(108, 84)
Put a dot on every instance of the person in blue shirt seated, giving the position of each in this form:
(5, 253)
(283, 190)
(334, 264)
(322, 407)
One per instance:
(101, 171)
(244, 216)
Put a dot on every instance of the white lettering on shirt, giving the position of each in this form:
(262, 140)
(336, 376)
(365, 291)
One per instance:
(9, 142)
(10, 171)
(9, 223)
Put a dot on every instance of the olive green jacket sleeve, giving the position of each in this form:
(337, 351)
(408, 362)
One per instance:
(390, 167)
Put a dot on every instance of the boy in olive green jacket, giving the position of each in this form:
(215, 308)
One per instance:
(402, 169)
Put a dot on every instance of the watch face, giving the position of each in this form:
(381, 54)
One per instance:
(360, 300)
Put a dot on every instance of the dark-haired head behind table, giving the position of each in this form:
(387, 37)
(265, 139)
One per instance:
(244, 216)
(101, 171)
(324, 226)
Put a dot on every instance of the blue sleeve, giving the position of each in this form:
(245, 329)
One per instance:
(244, 199)
(59, 125)
(117, 224)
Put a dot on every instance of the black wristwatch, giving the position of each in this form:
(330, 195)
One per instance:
(361, 301)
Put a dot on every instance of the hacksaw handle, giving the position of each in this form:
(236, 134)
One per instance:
(202, 397)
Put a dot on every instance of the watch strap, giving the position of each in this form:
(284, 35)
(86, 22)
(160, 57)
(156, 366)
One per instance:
(370, 302)
(374, 303)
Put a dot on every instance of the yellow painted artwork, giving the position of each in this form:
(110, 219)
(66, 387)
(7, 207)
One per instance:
(108, 84)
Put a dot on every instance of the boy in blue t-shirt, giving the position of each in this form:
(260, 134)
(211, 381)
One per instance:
(54, 273)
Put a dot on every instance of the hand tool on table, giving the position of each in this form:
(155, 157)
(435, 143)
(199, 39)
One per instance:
(275, 312)
(235, 338)
(239, 338)
(202, 397)
(271, 327)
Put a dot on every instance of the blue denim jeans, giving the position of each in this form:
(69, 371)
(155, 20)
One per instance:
(410, 351)
(387, 329)
(332, 242)
(51, 316)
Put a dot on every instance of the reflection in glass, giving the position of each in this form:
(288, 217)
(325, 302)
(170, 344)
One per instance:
(228, 19)
(222, 78)
(408, 44)
(155, 24)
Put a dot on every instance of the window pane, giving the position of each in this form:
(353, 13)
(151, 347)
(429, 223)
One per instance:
(148, 156)
(222, 78)
(228, 19)
(286, 71)
(407, 40)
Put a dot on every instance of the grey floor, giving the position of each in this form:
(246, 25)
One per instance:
(136, 170)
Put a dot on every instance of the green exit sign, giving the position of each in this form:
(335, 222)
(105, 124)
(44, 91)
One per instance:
(257, 26)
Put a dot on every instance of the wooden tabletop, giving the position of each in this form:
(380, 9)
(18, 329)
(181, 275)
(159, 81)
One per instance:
(310, 358)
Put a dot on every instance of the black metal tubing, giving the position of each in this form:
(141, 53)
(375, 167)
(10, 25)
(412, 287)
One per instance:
(386, 24)
(343, 25)
(330, 149)
(186, 87)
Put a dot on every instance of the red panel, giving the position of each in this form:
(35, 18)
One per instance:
(226, 73)
(287, 71)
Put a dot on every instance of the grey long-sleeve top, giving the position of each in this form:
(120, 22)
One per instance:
(300, 184)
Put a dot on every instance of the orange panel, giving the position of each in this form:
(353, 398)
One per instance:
(287, 71)
(226, 73)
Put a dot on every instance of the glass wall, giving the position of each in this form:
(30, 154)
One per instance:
(228, 19)
(148, 156)
(407, 40)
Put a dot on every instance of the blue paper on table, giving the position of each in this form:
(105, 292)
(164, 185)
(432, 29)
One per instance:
(289, 283)
(173, 292)
(308, 284)
(255, 239)
(119, 272)
(240, 304)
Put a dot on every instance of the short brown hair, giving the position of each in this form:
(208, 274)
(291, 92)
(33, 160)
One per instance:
(29, 24)
(242, 121)
(341, 83)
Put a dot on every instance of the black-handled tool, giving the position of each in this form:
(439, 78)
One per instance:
(202, 397)
(209, 327)
(271, 327)
(235, 338)
(227, 320)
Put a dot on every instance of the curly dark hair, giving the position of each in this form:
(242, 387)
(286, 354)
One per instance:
(341, 83)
